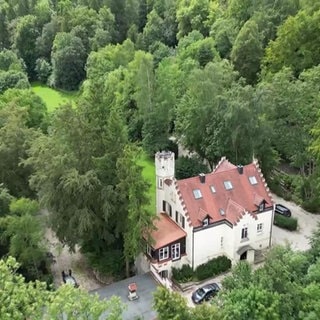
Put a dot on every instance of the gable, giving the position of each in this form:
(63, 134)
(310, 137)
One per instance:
(225, 191)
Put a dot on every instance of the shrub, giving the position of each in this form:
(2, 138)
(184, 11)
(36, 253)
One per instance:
(286, 222)
(213, 267)
(182, 275)
(311, 205)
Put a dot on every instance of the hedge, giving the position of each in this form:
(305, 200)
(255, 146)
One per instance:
(213, 267)
(288, 223)
(185, 274)
(204, 271)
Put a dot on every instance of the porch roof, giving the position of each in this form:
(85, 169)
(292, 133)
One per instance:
(166, 232)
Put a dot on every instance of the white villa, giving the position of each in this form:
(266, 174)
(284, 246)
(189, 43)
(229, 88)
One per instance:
(226, 212)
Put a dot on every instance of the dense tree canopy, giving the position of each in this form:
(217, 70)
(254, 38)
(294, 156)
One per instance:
(21, 300)
(224, 78)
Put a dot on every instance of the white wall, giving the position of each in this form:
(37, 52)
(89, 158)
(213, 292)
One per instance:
(257, 240)
(207, 243)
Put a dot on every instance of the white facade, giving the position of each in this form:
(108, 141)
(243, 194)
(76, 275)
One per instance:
(164, 162)
(238, 240)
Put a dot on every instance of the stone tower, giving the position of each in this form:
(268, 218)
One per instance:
(164, 162)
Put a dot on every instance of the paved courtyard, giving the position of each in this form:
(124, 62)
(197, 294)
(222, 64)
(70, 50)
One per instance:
(138, 309)
(307, 222)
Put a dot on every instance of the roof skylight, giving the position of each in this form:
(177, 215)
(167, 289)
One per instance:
(228, 185)
(213, 189)
(197, 194)
(253, 180)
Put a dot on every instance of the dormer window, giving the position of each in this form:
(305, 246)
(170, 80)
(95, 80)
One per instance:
(205, 222)
(197, 194)
(261, 206)
(253, 180)
(213, 189)
(228, 185)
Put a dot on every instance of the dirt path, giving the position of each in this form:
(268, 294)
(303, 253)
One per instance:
(64, 260)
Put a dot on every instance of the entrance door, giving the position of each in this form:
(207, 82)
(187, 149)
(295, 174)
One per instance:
(244, 256)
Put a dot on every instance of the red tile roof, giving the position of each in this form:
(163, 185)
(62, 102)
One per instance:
(167, 231)
(224, 204)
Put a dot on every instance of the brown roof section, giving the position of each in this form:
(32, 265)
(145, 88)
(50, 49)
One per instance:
(167, 231)
(224, 204)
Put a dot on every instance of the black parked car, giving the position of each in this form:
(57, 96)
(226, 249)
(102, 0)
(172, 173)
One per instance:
(205, 293)
(281, 209)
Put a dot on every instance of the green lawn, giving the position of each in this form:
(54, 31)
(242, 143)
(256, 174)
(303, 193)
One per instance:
(150, 175)
(53, 98)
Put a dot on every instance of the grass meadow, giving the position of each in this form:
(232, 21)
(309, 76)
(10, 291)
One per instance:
(53, 98)
(149, 174)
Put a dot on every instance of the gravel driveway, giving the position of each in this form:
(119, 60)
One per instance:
(307, 222)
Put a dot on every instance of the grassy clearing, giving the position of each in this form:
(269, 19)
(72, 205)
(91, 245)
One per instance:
(149, 174)
(53, 98)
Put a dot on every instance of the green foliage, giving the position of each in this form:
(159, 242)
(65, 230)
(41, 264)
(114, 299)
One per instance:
(247, 52)
(149, 174)
(185, 274)
(314, 251)
(68, 61)
(26, 28)
(31, 300)
(192, 15)
(241, 277)
(5, 199)
(186, 167)
(13, 79)
(15, 140)
(27, 101)
(132, 189)
(295, 45)
(204, 271)
(311, 205)
(43, 70)
(110, 262)
(288, 223)
(24, 206)
(172, 306)
(213, 267)
(252, 303)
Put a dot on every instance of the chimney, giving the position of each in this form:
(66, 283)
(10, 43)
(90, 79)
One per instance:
(202, 177)
(240, 169)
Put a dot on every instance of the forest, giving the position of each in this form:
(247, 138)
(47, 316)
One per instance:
(234, 78)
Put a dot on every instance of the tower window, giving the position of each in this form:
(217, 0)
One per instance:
(160, 183)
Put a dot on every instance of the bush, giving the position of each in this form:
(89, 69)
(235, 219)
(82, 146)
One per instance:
(311, 205)
(213, 268)
(286, 222)
(182, 275)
